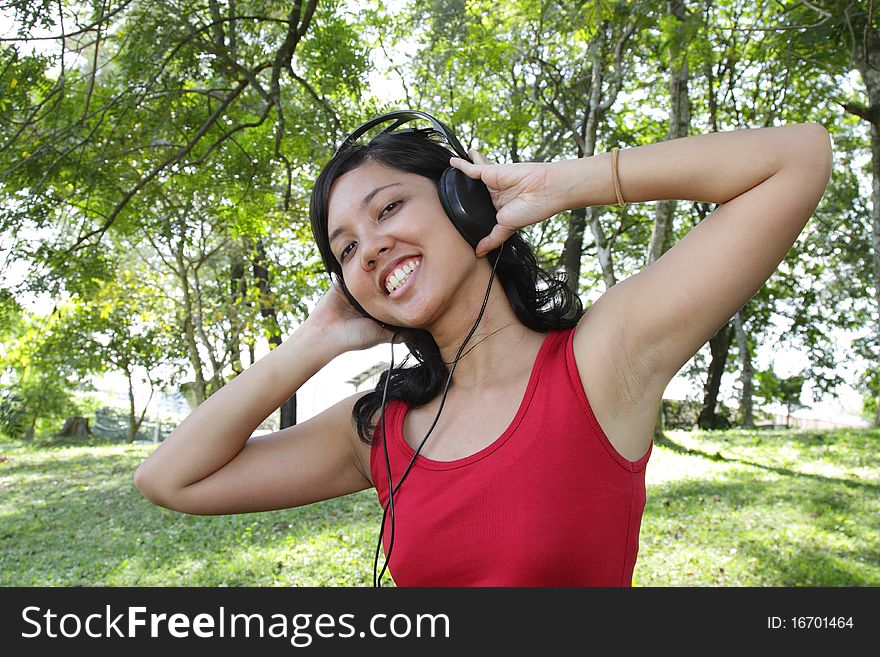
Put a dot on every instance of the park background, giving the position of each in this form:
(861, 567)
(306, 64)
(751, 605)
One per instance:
(155, 164)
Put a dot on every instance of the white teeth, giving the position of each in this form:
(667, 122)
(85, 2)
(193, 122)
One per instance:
(398, 276)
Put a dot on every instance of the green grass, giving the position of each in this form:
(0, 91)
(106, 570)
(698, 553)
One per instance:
(70, 516)
(736, 508)
(768, 508)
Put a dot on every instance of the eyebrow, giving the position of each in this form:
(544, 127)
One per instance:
(364, 203)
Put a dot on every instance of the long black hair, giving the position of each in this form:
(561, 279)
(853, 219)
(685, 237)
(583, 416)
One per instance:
(540, 300)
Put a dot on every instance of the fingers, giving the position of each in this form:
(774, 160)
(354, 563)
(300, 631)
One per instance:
(471, 170)
(493, 240)
(478, 157)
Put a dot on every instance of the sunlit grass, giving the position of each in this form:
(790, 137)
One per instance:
(730, 508)
(72, 517)
(777, 508)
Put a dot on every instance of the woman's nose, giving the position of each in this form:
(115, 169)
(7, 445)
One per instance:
(372, 251)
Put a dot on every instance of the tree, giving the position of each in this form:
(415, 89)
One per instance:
(787, 391)
(113, 127)
(740, 82)
(186, 135)
(869, 384)
(835, 37)
(37, 382)
(124, 330)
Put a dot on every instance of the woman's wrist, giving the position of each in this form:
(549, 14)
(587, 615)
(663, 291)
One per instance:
(313, 343)
(585, 182)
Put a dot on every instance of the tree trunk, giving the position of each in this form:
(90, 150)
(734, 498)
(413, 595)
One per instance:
(865, 56)
(595, 111)
(747, 373)
(875, 223)
(75, 426)
(267, 312)
(216, 381)
(238, 294)
(135, 422)
(661, 232)
(31, 430)
(719, 345)
(603, 248)
(588, 128)
(288, 412)
(199, 388)
(679, 125)
(660, 423)
(573, 248)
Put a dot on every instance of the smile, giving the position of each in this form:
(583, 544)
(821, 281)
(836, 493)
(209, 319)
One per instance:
(401, 274)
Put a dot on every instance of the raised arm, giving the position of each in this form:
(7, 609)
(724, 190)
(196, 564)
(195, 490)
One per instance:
(767, 183)
(210, 465)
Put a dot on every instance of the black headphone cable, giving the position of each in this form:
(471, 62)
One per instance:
(377, 580)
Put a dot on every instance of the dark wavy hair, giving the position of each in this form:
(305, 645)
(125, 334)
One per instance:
(540, 300)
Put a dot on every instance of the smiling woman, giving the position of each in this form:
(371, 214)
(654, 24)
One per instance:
(371, 208)
(540, 431)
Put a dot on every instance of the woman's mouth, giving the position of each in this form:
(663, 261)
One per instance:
(401, 275)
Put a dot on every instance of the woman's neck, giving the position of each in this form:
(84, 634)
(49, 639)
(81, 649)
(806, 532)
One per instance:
(495, 340)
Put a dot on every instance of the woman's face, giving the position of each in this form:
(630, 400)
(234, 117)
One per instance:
(401, 256)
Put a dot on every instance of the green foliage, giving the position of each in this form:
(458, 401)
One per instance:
(33, 404)
(152, 165)
(823, 33)
(38, 377)
(787, 391)
(153, 162)
(167, 97)
(869, 385)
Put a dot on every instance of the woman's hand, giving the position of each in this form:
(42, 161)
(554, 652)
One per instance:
(523, 194)
(335, 319)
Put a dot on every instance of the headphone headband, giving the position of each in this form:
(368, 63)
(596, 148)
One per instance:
(398, 118)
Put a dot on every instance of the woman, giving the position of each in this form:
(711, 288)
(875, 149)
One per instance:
(533, 474)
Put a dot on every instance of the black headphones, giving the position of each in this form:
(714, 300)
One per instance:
(466, 201)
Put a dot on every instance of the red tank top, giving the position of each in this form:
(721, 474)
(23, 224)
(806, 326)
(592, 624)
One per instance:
(549, 503)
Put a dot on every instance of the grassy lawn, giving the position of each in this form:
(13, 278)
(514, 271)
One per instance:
(736, 508)
(767, 508)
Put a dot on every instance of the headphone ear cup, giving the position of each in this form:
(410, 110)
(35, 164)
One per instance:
(468, 204)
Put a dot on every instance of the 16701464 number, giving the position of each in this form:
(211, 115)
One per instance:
(819, 622)
(809, 622)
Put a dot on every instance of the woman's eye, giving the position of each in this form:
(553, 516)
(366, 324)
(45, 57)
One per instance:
(388, 208)
(346, 251)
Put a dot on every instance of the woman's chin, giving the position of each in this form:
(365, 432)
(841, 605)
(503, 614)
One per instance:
(404, 324)
(414, 319)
